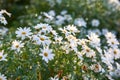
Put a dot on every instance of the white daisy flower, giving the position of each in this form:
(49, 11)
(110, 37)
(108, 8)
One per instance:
(23, 33)
(68, 17)
(82, 42)
(104, 31)
(96, 67)
(3, 20)
(107, 58)
(58, 39)
(80, 22)
(45, 28)
(54, 78)
(3, 31)
(66, 47)
(113, 42)
(47, 54)
(89, 52)
(54, 32)
(94, 40)
(2, 77)
(52, 13)
(63, 12)
(60, 20)
(116, 71)
(48, 16)
(109, 35)
(115, 52)
(64, 31)
(72, 29)
(95, 22)
(4, 11)
(3, 56)
(17, 45)
(80, 55)
(41, 39)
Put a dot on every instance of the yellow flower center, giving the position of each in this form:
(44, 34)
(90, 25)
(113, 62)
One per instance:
(84, 67)
(44, 27)
(1, 79)
(0, 58)
(46, 54)
(42, 39)
(87, 50)
(2, 19)
(23, 33)
(113, 43)
(115, 52)
(97, 66)
(17, 46)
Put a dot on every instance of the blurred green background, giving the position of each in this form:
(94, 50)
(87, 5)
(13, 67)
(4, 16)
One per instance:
(25, 12)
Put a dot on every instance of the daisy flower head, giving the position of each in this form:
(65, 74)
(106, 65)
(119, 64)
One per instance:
(41, 39)
(96, 67)
(58, 39)
(80, 22)
(104, 31)
(60, 20)
(95, 22)
(3, 31)
(47, 54)
(109, 35)
(3, 56)
(115, 52)
(80, 55)
(17, 45)
(64, 31)
(54, 33)
(3, 20)
(4, 11)
(68, 17)
(44, 28)
(54, 78)
(48, 16)
(72, 29)
(2, 77)
(89, 52)
(52, 13)
(94, 40)
(113, 42)
(63, 12)
(107, 58)
(37, 27)
(23, 33)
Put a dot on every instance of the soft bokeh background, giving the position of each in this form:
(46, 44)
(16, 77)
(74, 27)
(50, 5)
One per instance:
(25, 12)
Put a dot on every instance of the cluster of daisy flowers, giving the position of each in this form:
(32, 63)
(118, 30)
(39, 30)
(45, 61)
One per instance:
(66, 52)
(3, 32)
(51, 17)
(2, 18)
(90, 49)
